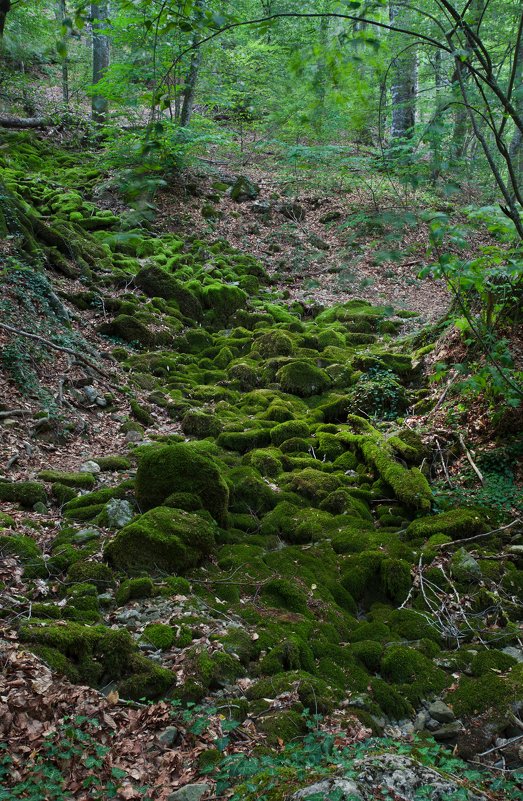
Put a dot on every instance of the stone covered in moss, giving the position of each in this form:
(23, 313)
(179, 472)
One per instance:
(303, 379)
(93, 573)
(134, 588)
(457, 523)
(164, 470)
(128, 329)
(26, 493)
(77, 480)
(162, 539)
(156, 283)
(160, 635)
(25, 548)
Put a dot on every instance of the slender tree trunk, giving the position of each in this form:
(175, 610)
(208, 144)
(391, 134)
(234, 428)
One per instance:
(101, 58)
(516, 144)
(190, 86)
(461, 115)
(5, 8)
(60, 14)
(320, 80)
(437, 133)
(191, 78)
(404, 84)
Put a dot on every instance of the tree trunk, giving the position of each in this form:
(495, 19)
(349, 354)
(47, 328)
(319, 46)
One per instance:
(404, 83)
(516, 144)
(60, 14)
(5, 8)
(461, 115)
(191, 78)
(101, 58)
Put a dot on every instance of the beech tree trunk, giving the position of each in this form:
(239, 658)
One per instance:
(404, 84)
(101, 58)
(191, 79)
(516, 144)
(60, 14)
(5, 8)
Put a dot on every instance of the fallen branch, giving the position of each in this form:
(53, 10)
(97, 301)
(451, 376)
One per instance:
(478, 536)
(52, 345)
(8, 121)
(14, 413)
(471, 460)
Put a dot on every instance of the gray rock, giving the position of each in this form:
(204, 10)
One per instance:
(85, 535)
(133, 436)
(90, 467)
(404, 778)
(421, 720)
(464, 567)
(515, 653)
(441, 712)
(261, 207)
(90, 393)
(169, 736)
(448, 731)
(341, 789)
(191, 792)
(244, 189)
(118, 513)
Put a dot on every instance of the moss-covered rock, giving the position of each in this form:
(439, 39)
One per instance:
(160, 635)
(76, 480)
(303, 379)
(164, 470)
(273, 343)
(162, 539)
(134, 588)
(457, 524)
(93, 573)
(26, 493)
(156, 283)
(128, 329)
(288, 430)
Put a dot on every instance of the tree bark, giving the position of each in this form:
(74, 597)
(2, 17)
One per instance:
(516, 144)
(8, 121)
(191, 79)
(5, 8)
(404, 84)
(60, 14)
(101, 58)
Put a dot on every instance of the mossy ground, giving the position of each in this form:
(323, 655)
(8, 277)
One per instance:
(297, 506)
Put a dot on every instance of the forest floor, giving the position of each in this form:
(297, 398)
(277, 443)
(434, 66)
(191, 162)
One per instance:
(320, 264)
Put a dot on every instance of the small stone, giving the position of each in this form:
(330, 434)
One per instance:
(101, 402)
(342, 789)
(90, 467)
(448, 731)
(464, 567)
(515, 653)
(169, 736)
(90, 393)
(40, 508)
(244, 189)
(191, 792)
(85, 535)
(421, 720)
(441, 712)
(261, 207)
(117, 513)
(133, 436)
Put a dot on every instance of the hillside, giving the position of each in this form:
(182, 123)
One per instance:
(222, 505)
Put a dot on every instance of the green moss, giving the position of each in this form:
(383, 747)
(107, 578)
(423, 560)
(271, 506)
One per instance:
(409, 486)
(160, 635)
(164, 470)
(128, 329)
(291, 654)
(26, 493)
(6, 521)
(156, 283)
(25, 548)
(77, 480)
(314, 693)
(487, 662)
(245, 376)
(457, 524)
(266, 461)
(273, 343)
(148, 680)
(141, 414)
(390, 700)
(369, 653)
(313, 484)
(201, 425)
(396, 580)
(62, 493)
(284, 594)
(56, 661)
(282, 726)
(93, 573)
(109, 464)
(476, 695)
(244, 441)
(134, 588)
(162, 539)
(288, 430)
(303, 379)
(417, 675)
(223, 300)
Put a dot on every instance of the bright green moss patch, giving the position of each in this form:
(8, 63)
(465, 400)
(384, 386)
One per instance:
(457, 524)
(163, 470)
(303, 379)
(134, 588)
(25, 548)
(26, 493)
(77, 480)
(288, 430)
(159, 635)
(162, 539)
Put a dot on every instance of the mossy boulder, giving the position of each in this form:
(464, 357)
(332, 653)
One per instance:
(160, 635)
(134, 588)
(25, 493)
(128, 329)
(91, 572)
(288, 430)
(76, 480)
(303, 379)
(164, 470)
(25, 548)
(273, 343)
(163, 539)
(457, 524)
(156, 283)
